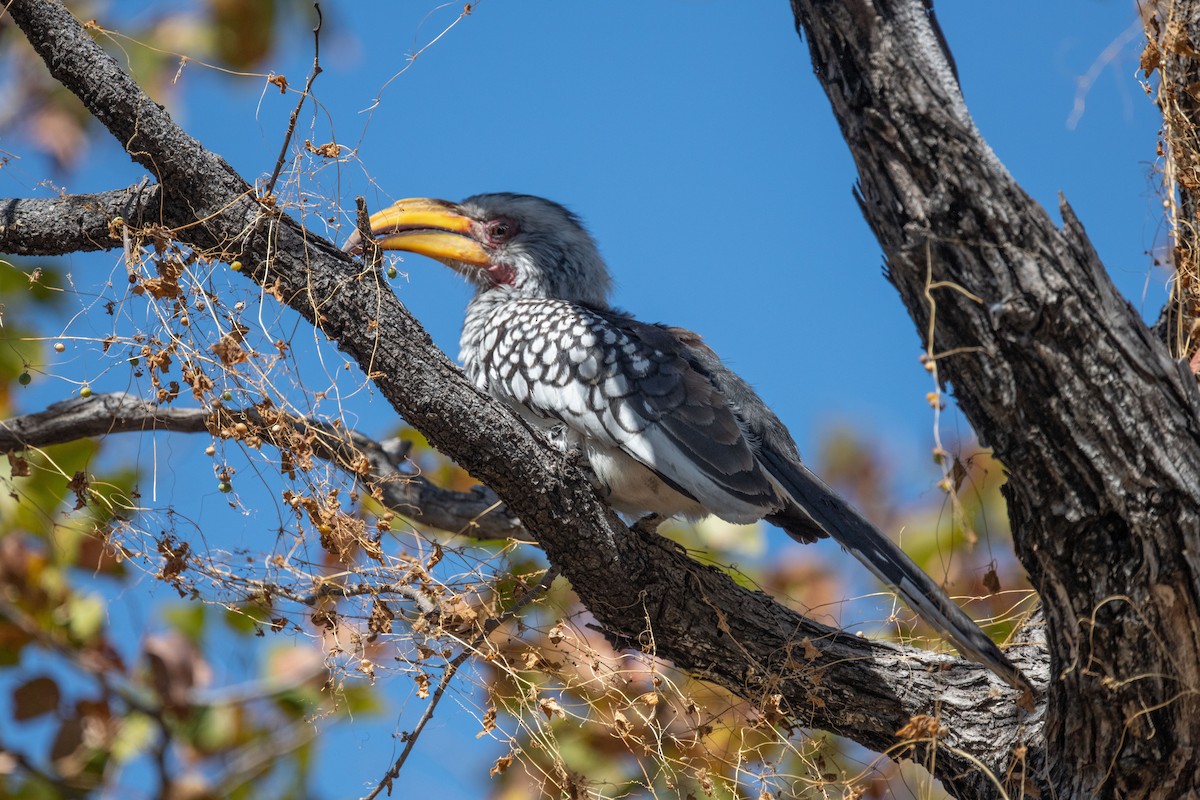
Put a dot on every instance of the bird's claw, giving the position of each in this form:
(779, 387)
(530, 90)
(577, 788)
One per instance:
(648, 525)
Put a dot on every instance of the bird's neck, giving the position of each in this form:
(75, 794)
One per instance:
(484, 322)
(480, 311)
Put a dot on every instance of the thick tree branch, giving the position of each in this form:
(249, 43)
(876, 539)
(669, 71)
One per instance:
(700, 618)
(76, 223)
(1095, 423)
(478, 514)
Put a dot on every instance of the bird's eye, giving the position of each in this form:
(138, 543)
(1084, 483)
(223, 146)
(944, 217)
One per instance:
(501, 230)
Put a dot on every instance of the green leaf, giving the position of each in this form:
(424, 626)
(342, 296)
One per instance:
(218, 728)
(188, 619)
(86, 615)
(361, 698)
(134, 737)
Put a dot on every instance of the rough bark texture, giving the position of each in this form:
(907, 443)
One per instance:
(699, 618)
(75, 223)
(1094, 421)
(478, 514)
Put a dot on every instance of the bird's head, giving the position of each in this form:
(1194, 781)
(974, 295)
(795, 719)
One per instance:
(535, 246)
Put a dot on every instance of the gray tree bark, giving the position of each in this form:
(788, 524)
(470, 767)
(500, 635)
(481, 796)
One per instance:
(1094, 421)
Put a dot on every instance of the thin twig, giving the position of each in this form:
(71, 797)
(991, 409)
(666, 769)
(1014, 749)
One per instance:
(448, 675)
(316, 70)
(423, 601)
(159, 753)
(372, 252)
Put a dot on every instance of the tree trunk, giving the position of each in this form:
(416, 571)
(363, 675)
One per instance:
(1094, 421)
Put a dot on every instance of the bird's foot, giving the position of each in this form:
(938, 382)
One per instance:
(575, 457)
(648, 525)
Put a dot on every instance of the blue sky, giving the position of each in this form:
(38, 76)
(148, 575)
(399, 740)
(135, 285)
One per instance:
(693, 139)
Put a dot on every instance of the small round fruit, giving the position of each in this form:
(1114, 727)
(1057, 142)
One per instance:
(59, 347)
(391, 272)
(226, 395)
(85, 392)
(24, 378)
(224, 487)
(236, 266)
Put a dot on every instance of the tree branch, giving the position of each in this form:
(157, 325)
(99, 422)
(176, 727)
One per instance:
(699, 617)
(75, 223)
(478, 514)
(312, 77)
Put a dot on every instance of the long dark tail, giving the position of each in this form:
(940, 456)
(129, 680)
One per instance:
(884, 558)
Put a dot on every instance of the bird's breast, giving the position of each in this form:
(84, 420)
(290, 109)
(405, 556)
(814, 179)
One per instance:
(657, 434)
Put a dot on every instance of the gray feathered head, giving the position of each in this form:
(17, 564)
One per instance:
(513, 242)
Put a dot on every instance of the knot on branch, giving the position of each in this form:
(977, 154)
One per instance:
(1014, 317)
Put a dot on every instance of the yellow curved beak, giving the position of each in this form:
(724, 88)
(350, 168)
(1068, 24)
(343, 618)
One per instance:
(426, 226)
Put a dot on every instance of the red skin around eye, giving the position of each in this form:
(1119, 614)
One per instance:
(500, 274)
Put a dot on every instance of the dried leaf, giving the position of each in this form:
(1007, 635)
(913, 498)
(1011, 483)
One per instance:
(922, 726)
(159, 288)
(502, 763)
(434, 557)
(381, 619)
(327, 150)
(79, 485)
(35, 697)
(489, 722)
(1151, 58)
(176, 668)
(201, 384)
(229, 347)
(18, 466)
(98, 554)
(67, 743)
(811, 652)
(175, 555)
(958, 474)
(456, 615)
(1175, 40)
(550, 707)
(772, 709)
(649, 698)
(991, 581)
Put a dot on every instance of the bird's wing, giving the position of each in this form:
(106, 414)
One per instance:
(814, 506)
(631, 387)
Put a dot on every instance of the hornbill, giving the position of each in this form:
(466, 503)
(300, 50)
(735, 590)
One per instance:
(665, 426)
